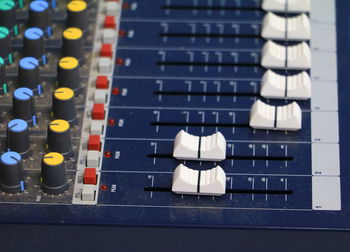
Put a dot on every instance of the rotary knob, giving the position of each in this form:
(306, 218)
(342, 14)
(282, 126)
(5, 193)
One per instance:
(77, 14)
(63, 105)
(11, 172)
(73, 43)
(68, 74)
(18, 137)
(59, 138)
(3, 82)
(23, 105)
(53, 174)
(29, 75)
(8, 17)
(34, 44)
(39, 16)
(5, 45)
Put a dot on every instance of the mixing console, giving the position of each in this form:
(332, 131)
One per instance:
(202, 113)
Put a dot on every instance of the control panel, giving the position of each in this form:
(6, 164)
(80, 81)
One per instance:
(210, 113)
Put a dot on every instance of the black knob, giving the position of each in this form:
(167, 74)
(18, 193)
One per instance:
(77, 14)
(63, 105)
(68, 74)
(23, 105)
(29, 75)
(53, 174)
(8, 17)
(18, 137)
(5, 45)
(59, 138)
(73, 43)
(39, 16)
(3, 80)
(11, 172)
(34, 44)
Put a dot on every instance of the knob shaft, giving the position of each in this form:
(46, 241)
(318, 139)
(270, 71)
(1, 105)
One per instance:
(11, 172)
(63, 105)
(3, 81)
(18, 137)
(73, 43)
(23, 105)
(68, 74)
(8, 17)
(59, 138)
(34, 44)
(29, 75)
(77, 14)
(5, 45)
(39, 16)
(53, 174)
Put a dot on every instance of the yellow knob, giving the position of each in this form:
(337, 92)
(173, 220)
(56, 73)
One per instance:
(68, 63)
(59, 126)
(72, 33)
(76, 6)
(64, 94)
(53, 158)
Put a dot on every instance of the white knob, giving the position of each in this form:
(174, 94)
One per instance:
(281, 28)
(190, 147)
(296, 57)
(264, 116)
(188, 181)
(296, 87)
(286, 5)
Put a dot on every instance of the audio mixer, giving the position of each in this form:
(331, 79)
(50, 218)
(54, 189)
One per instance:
(177, 113)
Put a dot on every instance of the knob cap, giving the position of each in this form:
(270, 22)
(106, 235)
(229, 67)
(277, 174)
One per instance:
(39, 16)
(77, 14)
(34, 44)
(59, 138)
(18, 137)
(29, 74)
(53, 174)
(5, 45)
(68, 74)
(3, 80)
(11, 172)
(63, 105)
(23, 105)
(73, 43)
(8, 17)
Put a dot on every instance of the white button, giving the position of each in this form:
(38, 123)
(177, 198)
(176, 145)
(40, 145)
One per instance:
(286, 5)
(211, 182)
(296, 57)
(262, 116)
(289, 117)
(96, 127)
(104, 65)
(292, 28)
(100, 96)
(108, 36)
(88, 193)
(112, 8)
(209, 148)
(296, 87)
(92, 159)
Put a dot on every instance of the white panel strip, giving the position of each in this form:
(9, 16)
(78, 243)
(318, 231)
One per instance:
(326, 193)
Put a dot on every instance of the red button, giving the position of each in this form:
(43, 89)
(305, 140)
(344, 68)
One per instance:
(110, 22)
(94, 143)
(102, 82)
(106, 50)
(90, 177)
(98, 111)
